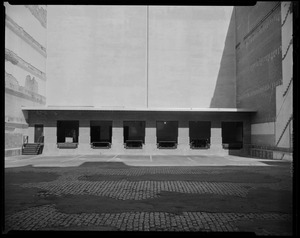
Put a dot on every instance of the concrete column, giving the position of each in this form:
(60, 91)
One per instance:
(150, 137)
(50, 140)
(117, 137)
(216, 138)
(183, 137)
(84, 137)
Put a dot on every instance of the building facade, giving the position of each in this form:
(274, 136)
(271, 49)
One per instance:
(159, 131)
(140, 77)
(25, 69)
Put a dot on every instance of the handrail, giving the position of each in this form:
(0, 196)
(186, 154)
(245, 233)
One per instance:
(290, 43)
(40, 139)
(25, 140)
(290, 10)
(288, 122)
(287, 88)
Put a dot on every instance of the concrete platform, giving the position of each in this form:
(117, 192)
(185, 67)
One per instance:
(135, 160)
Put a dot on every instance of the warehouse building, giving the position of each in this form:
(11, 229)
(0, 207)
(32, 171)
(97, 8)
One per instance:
(161, 80)
(142, 131)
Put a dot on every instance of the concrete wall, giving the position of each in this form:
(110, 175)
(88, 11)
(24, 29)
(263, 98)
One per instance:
(131, 56)
(264, 75)
(225, 90)
(25, 69)
(97, 52)
(258, 72)
(49, 119)
(284, 92)
(185, 50)
(258, 58)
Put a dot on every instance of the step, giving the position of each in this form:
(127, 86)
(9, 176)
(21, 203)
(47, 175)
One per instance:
(31, 147)
(30, 150)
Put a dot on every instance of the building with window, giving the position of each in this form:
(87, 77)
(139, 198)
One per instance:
(166, 80)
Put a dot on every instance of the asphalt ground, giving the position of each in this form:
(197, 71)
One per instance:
(91, 193)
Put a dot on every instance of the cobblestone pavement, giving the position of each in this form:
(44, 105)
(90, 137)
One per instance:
(104, 182)
(38, 218)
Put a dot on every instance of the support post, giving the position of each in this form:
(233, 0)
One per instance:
(183, 137)
(117, 137)
(150, 137)
(84, 137)
(216, 139)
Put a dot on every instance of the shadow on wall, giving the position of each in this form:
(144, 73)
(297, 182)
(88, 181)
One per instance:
(225, 94)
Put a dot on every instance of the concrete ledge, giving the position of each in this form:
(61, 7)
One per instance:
(13, 152)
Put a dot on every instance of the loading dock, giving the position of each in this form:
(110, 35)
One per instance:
(167, 134)
(134, 134)
(232, 135)
(150, 131)
(100, 134)
(67, 134)
(199, 134)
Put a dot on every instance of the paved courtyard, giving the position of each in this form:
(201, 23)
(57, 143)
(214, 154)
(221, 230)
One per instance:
(148, 193)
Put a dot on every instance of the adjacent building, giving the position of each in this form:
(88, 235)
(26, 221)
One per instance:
(25, 69)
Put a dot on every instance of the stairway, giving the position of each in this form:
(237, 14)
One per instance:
(32, 149)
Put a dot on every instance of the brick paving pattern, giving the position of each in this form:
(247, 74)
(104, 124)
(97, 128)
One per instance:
(124, 190)
(38, 218)
(74, 183)
(70, 183)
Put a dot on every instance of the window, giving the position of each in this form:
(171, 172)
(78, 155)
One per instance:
(100, 134)
(167, 134)
(134, 134)
(232, 135)
(199, 132)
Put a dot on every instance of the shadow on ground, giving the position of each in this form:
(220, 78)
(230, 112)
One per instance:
(258, 200)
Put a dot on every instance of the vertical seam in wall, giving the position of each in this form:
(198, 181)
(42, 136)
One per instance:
(274, 132)
(235, 58)
(147, 52)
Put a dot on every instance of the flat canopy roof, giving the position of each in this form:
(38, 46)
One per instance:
(91, 108)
